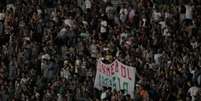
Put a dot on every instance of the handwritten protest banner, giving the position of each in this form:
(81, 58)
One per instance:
(115, 75)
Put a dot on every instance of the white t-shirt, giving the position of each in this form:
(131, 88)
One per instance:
(166, 32)
(93, 49)
(163, 24)
(156, 58)
(88, 4)
(194, 44)
(65, 73)
(2, 16)
(9, 6)
(188, 11)
(103, 26)
(54, 16)
(46, 56)
(156, 15)
(103, 95)
(105, 1)
(193, 91)
(124, 11)
(144, 22)
(39, 11)
(68, 22)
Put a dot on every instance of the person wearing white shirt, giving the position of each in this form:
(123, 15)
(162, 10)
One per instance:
(103, 28)
(166, 32)
(64, 71)
(103, 96)
(11, 6)
(93, 50)
(105, 1)
(87, 4)
(157, 57)
(68, 22)
(163, 24)
(194, 44)
(54, 16)
(2, 16)
(193, 91)
(156, 15)
(44, 64)
(144, 20)
(188, 14)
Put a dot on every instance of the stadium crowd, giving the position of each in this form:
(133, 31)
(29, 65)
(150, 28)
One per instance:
(49, 48)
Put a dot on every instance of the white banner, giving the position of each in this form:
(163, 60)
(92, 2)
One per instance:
(115, 75)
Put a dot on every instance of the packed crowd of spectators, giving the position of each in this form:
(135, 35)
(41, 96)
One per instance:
(49, 48)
